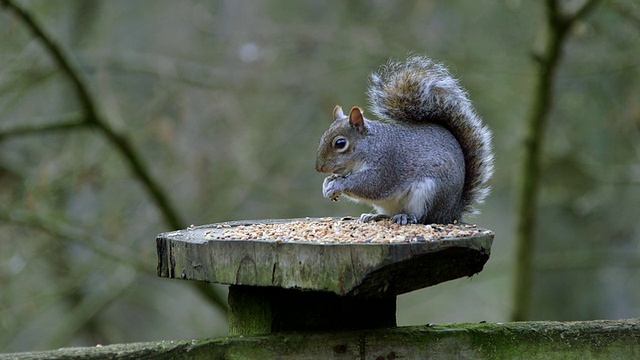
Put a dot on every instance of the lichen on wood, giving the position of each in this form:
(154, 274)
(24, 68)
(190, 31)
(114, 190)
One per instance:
(376, 270)
(522, 340)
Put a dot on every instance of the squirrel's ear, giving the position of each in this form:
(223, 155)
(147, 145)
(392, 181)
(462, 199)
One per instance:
(337, 113)
(356, 119)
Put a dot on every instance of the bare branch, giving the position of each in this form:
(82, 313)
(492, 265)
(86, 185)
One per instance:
(43, 128)
(91, 116)
(89, 309)
(55, 51)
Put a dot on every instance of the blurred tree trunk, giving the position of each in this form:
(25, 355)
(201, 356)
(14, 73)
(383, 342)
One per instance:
(559, 26)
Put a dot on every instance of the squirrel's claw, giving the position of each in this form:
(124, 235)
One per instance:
(404, 219)
(372, 217)
(330, 189)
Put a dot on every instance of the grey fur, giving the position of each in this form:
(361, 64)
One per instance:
(429, 156)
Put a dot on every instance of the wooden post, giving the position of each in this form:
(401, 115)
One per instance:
(263, 310)
(291, 286)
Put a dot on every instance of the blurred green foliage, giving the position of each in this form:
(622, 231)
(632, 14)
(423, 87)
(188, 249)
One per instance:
(225, 102)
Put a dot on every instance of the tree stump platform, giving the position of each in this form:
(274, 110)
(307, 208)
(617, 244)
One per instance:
(305, 286)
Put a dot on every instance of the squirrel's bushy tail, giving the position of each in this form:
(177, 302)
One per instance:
(421, 90)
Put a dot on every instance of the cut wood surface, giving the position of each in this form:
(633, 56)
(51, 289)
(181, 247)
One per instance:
(363, 269)
(525, 340)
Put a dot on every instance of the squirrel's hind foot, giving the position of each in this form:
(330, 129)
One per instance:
(404, 219)
(372, 217)
(400, 219)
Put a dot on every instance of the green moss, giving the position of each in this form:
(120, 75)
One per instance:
(539, 340)
(525, 340)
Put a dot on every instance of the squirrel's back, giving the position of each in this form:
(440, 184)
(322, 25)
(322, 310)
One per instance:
(420, 90)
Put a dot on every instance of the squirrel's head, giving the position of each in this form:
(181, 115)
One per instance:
(338, 143)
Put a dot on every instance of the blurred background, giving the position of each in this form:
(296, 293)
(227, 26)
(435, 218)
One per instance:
(222, 104)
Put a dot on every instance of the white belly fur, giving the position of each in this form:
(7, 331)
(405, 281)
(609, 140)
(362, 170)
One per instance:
(413, 201)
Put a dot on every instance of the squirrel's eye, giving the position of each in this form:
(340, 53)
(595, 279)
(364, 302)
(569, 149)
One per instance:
(340, 143)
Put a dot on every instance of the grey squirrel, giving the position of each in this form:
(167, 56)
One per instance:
(426, 160)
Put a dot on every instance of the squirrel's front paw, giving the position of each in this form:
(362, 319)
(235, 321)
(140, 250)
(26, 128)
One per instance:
(330, 187)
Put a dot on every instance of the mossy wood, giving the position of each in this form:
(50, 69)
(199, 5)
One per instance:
(264, 310)
(291, 285)
(371, 270)
(524, 340)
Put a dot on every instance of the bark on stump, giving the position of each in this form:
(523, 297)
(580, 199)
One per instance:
(303, 286)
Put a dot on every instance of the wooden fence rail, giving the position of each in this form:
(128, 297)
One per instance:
(521, 340)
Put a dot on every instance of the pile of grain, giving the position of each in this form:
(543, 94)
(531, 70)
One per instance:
(329, 230)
